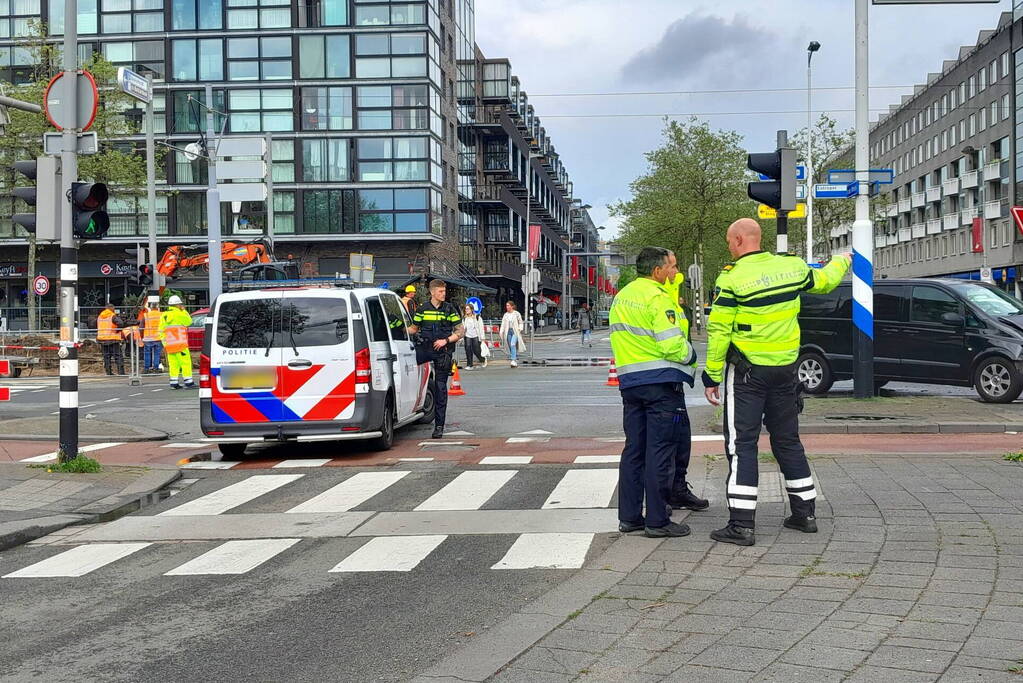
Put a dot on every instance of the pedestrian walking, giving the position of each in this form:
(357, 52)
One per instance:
(174, 324)
(585, 325)
(511, 332)
(110, 335)
(474, 333)
(654, 361)
(439, 327)
(409, 300)
(752, 346)
(149, 318)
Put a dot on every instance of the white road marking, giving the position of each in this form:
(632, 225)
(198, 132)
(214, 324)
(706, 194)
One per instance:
(583, 489)
(390, 554)
(507, 460)
(183, 445)
(459, 433)
(24, 387)
(111, 400)
(234, 557)
(528, 439)
(415, 459)
(353, 491)
(224, 499)
(39, 391)
(211, 465)
(536, 432)
(593, 459)
(45, 457)
(708, 437)
(78, 561)
(305, 462)
(549, 551)
(441, 443)
(468, 491)
(156, 390)
(612, 439)
(134, 395)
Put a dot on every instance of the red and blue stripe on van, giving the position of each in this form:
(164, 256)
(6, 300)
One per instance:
(300, 395)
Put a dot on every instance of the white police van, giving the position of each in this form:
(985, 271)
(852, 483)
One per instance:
(308, 363)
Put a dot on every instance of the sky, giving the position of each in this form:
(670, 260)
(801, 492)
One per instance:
(570, 54)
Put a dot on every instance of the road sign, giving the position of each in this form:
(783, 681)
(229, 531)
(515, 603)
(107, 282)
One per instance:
(695, 275)
(477, 305)
(55, 106)
(830, 191)
(541, 308)
(241, 170)
(5, 394)
(764, 211)
(41, 285)
(5, 368)
(985, 275)
(884, 176)
(88, 143)
(1017, 215)
(241, 192)
(800, 192)
(134, 84)
(241, 147)
(800, 173)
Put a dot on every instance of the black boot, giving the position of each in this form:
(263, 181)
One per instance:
(438, 432)
(670, 530)
(808, 525)
(734, 534)
(687, 500)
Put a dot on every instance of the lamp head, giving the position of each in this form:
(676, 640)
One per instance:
(814, 46)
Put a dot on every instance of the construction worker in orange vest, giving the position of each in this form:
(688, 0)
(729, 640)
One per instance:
(149, 318)
(110, 336)
(174, 324)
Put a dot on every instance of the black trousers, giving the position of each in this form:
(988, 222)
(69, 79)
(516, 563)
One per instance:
(656, 454)
(473, 347)
(755, 394)
(441, 373)
(113, 354)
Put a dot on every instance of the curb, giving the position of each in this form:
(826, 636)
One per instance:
(140, 493)
(910, 428)
(155, 436)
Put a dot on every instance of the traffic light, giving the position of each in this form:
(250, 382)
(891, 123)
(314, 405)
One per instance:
(89, 219)
(780, 166)
(44, 222)
(139, 271)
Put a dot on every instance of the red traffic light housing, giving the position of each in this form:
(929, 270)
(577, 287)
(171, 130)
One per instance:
(780, 166)
(89, 218)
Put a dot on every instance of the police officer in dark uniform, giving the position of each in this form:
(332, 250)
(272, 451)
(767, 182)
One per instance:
(439, 327)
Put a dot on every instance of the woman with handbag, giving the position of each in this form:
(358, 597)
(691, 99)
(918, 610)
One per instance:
(473, 337)
(511, 332)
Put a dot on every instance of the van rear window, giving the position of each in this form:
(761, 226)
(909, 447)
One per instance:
(275, 324)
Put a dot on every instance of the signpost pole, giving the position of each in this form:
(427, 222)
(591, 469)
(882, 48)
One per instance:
(783, 216)
(863, 230)
(68, 427)
(213, 206)
(154, 287)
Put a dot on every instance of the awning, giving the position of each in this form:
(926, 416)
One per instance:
(460, 282)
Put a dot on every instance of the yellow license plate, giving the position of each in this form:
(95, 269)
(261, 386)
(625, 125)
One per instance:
(248, 378)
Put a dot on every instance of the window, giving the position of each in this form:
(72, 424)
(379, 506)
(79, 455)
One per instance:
(396, 13)
(145, 57)
(1005, 64)
(992, 72)
(383, 55)
(325, 160)
(254, 14)
(1005, 107)
(402, 107)
(981, 80)
(887, 303)
(333, 12)
(973, 125)
(322, 211)
(377, 321)
(387, 159)
(313, 57)
(198, 60)
(982, 120)
(395, 316)
(251, 323)
(327, 108)
(393, 210)
(195, 14)
(254, 111)
(315, 322)
(252, 59)
(944, 140)
(190, 117)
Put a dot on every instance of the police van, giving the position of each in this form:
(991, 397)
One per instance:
(310, 363)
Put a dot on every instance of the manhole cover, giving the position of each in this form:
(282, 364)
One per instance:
(859, 417)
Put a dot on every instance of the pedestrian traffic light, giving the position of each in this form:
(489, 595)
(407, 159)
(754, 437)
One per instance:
(780, 167)
(89, 218)
(44, 222)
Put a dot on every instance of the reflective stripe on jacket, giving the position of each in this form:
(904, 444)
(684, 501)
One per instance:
(106, 329)
(756, 306)
(174, 324)
(151, 321)
(648, 341)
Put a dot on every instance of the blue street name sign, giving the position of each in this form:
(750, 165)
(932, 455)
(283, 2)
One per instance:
(831, 191)
(476, 304)
(800, 173)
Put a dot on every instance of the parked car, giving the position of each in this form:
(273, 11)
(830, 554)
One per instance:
(197, 330)
(310, 364)
(932, 331)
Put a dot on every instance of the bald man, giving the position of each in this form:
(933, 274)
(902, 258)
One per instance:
(752, 346)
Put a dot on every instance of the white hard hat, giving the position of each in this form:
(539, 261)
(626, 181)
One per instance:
(153, 300)
(175, 301)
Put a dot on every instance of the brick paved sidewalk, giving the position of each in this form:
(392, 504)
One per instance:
(916, 575)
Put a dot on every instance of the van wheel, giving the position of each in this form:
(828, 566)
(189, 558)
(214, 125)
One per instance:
(997, 380)
(232, 451)
(814, 373)
(428, 406)
(386, 439)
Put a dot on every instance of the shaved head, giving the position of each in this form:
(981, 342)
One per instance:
(743, 237)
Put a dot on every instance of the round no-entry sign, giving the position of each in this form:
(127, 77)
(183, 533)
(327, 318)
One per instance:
(41, 285)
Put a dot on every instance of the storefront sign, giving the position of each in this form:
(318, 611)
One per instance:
(19, 271)
(113, 269)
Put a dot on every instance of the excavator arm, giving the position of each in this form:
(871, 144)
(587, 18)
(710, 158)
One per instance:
(178, 258)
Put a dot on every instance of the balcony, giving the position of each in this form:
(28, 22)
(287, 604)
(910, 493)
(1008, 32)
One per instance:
(488, 119)
(966, 216)
(904, 205)
(918, 199)
(969, 180)
(487, 194)
(950, 187)
(468, 234)
(880, 241)
(892, 239)
(933, 194)
(950, 221)
(934, 226)
(891, 210)
(993, 171)
(993, 209)
(498, 235)
(918, 230)
(905, 234)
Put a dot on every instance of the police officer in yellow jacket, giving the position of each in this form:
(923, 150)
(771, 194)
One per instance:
(654, 361)
(752, 346)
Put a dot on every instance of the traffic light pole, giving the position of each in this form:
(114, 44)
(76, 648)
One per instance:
(68, 428)
(863, 227)
(213, 206)
(154, 286)
(783, 216)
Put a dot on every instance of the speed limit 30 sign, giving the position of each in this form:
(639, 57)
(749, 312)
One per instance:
(41, 285)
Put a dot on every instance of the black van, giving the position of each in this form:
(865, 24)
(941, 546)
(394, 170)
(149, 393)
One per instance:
(932, 331)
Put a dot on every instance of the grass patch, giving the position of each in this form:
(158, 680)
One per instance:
(1017, 669)
(1013, 457)
(811, 570)
(765, 457)
(573, 615)
(79, 464)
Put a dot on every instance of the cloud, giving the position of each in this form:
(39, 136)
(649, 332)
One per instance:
(693, 42)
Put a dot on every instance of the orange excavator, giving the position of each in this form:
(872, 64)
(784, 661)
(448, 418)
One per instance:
(179, 258)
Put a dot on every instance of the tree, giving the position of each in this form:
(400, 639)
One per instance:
(694, 188)
(626, 274)
(117, 162)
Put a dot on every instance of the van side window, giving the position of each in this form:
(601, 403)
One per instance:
(887, 301)
(392, 308)
(249, 324)
(820, 305)
(930, 303)
(377, 322)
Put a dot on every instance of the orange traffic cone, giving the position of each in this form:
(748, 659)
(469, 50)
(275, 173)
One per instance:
(612, 374)
(456, 385)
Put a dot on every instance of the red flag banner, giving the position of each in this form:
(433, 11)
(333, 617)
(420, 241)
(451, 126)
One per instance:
(534, 242)
(592, 279)
(978, 235)
(600, 282)
(575, 268)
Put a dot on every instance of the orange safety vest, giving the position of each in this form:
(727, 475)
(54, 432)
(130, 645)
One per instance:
(152, 326)
(106, 331)
(133, 333)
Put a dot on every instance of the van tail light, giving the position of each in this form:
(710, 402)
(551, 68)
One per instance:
(363, 367)
(204, 371)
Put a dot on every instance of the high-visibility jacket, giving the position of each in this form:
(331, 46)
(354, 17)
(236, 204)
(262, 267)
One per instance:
(151, 325)
(133, 333)
(106, 328)
(756, 305)
(648, 341)
(174, 324)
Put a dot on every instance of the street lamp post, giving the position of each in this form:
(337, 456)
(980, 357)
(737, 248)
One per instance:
(566, 288)
(529, 253)
(811, 48)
